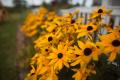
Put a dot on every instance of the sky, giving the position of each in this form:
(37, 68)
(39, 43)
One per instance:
(9, 3)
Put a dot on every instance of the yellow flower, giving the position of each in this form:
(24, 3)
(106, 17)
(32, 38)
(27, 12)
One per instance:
(32, 33)
(59, 57)
(46, 40)
(33, 23)
(40, 67)
(51, 16)
(115, 31)
(82, 74)
(30, 28)
(31, 75)
(86, 30)
(51, 75)
(42, 11)
(111, 43)
(87, 52)
(51, 26)
(99, 12)
(78, 22)
(58, 20)
(41, 64)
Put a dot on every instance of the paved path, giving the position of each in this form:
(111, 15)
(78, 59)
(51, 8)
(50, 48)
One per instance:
(20, 45)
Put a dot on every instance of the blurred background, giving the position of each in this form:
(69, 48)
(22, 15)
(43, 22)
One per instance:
(15, 52)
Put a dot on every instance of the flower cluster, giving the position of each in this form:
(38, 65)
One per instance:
(65, 41)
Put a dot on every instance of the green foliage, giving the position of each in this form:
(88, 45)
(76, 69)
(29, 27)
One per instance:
(19, 3)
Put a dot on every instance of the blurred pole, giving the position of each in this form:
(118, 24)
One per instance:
(84, 2)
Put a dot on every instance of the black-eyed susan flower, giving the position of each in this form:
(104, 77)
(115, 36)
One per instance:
(85, 30)
(42, 11)
(59, 57)
(51, 75)
(41, 68)
(83, 73)
(31, 75)
(99, 12)
(111, 43)
(51, 15)
(30, 27)
(86, 52)
(46, 40)
(33, 22)
(115, 31)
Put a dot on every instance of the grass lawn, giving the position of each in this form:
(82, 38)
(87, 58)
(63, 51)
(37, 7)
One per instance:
(8, 29)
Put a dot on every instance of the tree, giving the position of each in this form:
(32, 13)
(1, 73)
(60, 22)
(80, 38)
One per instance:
(19, 3)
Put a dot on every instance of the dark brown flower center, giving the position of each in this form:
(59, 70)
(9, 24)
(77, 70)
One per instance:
(89, 28)
(116, 43)
(46, 50)
(50, 38)
(60, 55)
(87, 51)
(98, 46)
(119, 31)
(77, 55)
(53, 30)
(100, 11)
(32, 74)
(72, 21)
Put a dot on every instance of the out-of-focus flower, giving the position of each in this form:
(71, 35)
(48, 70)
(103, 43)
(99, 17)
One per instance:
(86, 30)
(111, 43)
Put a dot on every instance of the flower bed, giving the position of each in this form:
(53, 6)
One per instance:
(64, 45)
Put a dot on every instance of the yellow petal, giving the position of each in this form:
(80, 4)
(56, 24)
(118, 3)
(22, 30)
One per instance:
(66, 64)
(81, 34)
(95, 56)
(33, 69)
(60, 47)
(56, 65)
(112, 56)
(51, 56)
(34, 77)
(60, 65)
(107, 50)
(81, 44)
(76, 62)
(38, 69)
(43, 70)
(59, 35)
(50, 28)
(52, 61)
(54, 49)
(77, 76)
